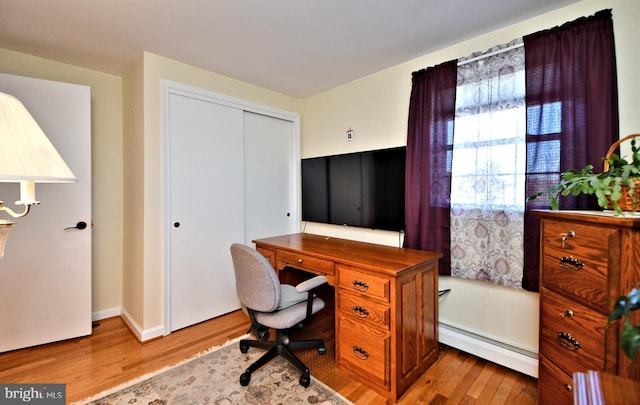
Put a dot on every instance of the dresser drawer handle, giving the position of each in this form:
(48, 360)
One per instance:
(566, 235)
(569, 262)
(568, 313)
(360, 353)
(360, 285)
(568, 387)
(359, 311)
(300, 261)
(568, 342)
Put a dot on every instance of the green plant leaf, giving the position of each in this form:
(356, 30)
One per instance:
(630, 340)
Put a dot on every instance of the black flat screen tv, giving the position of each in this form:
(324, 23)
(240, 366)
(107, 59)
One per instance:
(363, 189)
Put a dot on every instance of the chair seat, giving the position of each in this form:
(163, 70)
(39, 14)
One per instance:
(293, 315)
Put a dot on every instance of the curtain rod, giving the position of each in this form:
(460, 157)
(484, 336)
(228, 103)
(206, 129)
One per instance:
(487, 55)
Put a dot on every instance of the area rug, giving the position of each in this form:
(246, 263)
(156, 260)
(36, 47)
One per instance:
(212, 377)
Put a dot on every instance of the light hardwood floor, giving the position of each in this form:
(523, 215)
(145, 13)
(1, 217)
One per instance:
(112, 356)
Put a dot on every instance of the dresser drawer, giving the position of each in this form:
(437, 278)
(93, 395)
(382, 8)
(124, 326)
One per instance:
(364, 350)
(579, 266)
(571, 335)
(576, 236)
(357, 281)
(362, 310)
(554, 385)
(304, 262)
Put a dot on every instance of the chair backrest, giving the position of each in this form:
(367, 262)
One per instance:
(257, 284)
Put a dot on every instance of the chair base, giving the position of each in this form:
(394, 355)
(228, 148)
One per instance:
(280, 347)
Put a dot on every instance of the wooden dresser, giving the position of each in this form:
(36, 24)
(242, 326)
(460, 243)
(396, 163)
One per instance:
(386, 303)
(587, 260)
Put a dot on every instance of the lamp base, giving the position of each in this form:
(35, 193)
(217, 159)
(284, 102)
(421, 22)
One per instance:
(5, 227)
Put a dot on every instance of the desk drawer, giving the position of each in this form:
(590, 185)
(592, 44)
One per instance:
(304, 262)
(354, 280)
(269, 254)
(364, 350)
(362, 310)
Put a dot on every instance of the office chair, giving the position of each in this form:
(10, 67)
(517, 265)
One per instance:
(270, 304)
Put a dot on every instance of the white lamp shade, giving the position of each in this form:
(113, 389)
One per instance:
(25, 151)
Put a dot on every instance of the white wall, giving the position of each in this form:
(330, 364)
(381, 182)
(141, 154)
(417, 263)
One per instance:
(376, 108)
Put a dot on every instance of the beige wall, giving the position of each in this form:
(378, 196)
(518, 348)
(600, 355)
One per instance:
(376, 108)
(106, 138)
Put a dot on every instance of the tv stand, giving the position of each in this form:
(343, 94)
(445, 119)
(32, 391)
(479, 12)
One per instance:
(386, 304)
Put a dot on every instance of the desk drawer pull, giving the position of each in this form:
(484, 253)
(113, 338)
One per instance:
(360, 353)
(568, 342)
(359, 311)
(360, 285)
(300, 261)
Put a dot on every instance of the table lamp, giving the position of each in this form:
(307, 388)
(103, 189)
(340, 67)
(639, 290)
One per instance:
(26, 157)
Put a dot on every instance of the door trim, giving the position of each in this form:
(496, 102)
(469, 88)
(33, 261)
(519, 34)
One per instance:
(170, 87)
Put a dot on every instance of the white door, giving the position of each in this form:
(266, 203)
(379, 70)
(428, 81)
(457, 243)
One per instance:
(269, 176)
(45, 275)
(205, 146)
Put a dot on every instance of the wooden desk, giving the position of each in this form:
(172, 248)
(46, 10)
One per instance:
(386, 304)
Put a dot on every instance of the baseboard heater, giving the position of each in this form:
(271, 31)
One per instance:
(513, 357)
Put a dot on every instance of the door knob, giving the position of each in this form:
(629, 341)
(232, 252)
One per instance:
(80, 225)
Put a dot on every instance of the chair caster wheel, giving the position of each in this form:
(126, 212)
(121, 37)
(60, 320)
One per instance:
(246, 377)
(305, 380)
(244, 347)
(322, 350)
(263, 335)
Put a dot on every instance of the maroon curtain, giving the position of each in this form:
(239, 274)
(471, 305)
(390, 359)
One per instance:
(572, 114)
(429, 148)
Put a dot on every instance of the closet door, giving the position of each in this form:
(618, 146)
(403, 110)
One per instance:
(231, 176)
(206, 210)
(269, 176)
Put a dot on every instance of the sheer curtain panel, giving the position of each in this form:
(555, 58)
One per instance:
(487, 176)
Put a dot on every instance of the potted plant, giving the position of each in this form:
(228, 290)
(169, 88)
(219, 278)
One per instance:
(630, 335)
(617, 187)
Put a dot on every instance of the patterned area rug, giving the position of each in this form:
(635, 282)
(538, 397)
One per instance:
(212, 378)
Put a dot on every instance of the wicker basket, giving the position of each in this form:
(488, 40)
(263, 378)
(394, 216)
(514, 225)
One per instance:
(626, 201)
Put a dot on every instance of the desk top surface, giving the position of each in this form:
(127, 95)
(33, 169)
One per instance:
(363, 254)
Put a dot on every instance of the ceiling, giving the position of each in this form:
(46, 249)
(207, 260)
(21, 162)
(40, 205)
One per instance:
(295, 47)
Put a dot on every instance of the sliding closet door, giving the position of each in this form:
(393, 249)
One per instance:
(269, 176)
(231, 176)
(206, 211)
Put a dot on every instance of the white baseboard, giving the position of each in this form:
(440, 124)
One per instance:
(497, 352)
(141, 334)
(106, 313)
